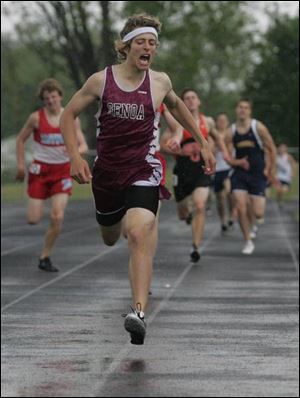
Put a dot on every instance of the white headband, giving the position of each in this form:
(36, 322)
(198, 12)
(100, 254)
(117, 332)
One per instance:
(139, 31)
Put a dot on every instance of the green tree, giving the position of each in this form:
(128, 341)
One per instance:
(75, 37)
(21, 71)
(78, 31)
(206, 45)
(274, 83)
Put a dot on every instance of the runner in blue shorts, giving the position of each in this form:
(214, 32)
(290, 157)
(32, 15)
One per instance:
(249, 138)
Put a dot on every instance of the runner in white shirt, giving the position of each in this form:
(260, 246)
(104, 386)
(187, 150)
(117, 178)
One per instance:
(286, 166)
(222, 186)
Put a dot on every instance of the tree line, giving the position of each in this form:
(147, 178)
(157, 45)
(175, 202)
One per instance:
(210, 46)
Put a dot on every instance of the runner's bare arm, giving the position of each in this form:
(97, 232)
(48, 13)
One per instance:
(228, 142)
(172, 136)
(218, 139)
(82, 99)
(175, 128)
(81, 141)
(267, 162)
(293, 164)
(211, 144)
(268, 143)
(169, 143)
(22, 137)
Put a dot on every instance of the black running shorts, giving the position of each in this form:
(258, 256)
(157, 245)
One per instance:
(111, 206)
(187, 176)
(219, 180)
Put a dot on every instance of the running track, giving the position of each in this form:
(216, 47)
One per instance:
(225, 327)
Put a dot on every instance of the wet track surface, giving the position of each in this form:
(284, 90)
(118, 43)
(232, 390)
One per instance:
(227, 326)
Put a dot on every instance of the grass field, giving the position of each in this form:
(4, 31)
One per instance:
(13, 192)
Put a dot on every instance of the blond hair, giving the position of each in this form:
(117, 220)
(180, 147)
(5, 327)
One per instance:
(133, 22)
(49, 85)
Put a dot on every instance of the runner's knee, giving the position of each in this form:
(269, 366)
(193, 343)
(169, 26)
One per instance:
(183, 215)
(137, 234)
(111, 236)
(33, 219)
(57, 219)
(241, 206)
(200, 207)
(110, 240)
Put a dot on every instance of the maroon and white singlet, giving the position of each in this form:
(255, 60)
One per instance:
(127, 129)
(126, 132)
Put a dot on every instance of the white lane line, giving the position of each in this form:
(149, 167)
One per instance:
(122, 354)
(14, 228)
(182, 276)
(287, 240)
(16, 249)
(39, 241)
(79, 266)
(24, 296)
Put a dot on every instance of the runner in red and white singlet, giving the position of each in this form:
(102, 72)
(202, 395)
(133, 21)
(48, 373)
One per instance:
(127, 175)
(49, 173)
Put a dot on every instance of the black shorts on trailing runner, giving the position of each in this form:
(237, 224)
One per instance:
(286, 183)
(219, 180)
(187, 176)
(111, 206)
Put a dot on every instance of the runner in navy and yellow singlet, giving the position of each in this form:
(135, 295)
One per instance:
(249, 138)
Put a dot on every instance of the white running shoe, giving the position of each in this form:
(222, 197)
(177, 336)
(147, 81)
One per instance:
(253, 233)
(249, 247)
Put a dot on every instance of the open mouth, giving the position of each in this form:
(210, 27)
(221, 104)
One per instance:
(145, 59)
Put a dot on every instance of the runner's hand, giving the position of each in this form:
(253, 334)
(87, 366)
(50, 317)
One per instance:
(80, 170)
(272, 178)
(227, 158)
(209, 160)
(20, 176)
(173, 144)
(267, 172)
(244, 163)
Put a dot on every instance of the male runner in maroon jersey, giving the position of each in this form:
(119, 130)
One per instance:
(127, 175)
(49, 173)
